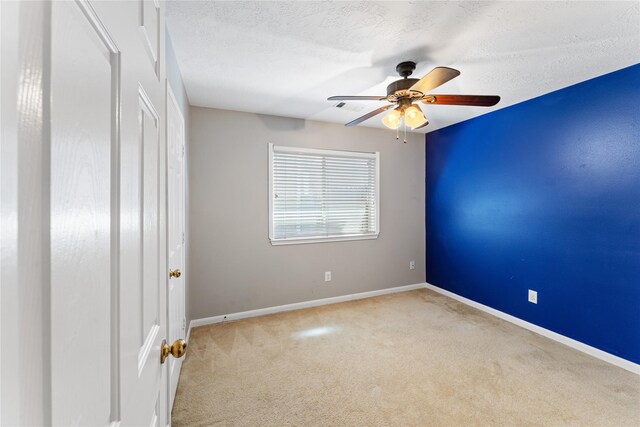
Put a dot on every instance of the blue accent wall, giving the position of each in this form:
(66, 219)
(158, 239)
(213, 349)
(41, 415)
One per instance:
(545, 195)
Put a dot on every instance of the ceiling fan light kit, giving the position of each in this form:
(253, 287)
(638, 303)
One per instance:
(392, 119)
(404, 92)
(414, 117)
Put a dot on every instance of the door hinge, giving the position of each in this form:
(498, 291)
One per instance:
(183, 237)
(183, 151)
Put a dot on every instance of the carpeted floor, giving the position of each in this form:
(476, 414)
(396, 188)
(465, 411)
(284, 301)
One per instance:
(409, 359)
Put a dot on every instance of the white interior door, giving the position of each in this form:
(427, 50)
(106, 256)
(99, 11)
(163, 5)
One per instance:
(108, 223)
(84, 232)
(176, 235)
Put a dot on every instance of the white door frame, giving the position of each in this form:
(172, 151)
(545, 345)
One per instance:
(24, 289)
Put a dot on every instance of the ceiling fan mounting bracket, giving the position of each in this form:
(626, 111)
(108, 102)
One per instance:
(405, 69)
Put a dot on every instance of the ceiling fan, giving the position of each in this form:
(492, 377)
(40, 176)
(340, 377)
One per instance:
(404, 92)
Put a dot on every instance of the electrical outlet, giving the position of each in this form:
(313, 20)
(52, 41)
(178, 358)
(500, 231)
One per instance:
(412, 265)
(533, 296)
(327, 276)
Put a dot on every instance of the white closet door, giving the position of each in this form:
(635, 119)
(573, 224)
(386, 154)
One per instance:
(84, 230)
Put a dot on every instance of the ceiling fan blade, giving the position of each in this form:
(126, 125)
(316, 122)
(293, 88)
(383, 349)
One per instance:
(436, 77)
(474, 100)
(357, 98)
(369, 115)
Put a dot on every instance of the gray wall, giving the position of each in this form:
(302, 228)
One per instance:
(174, 77)
(232, 265)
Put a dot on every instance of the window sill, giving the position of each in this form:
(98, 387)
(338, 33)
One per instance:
(301, 241)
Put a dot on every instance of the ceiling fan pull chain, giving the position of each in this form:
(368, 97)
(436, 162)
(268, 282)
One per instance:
(405, 132)
(398, 133)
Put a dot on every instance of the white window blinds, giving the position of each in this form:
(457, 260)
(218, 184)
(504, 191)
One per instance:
(319, 195)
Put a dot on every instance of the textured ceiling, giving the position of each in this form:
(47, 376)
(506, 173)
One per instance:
(286, 58)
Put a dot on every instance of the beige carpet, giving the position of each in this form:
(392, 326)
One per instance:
(410, 359)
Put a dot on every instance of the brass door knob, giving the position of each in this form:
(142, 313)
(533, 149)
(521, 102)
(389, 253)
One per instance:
(177, 349)
(175, 273)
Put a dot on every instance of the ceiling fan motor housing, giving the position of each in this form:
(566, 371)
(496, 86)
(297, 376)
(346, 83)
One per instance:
(399, 90)
(400, 85)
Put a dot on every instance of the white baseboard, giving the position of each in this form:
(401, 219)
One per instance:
(591, 351)
(298, 305)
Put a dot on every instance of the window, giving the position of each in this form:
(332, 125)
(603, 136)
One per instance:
(322, 195)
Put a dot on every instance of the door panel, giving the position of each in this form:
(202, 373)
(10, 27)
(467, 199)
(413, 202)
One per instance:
(82, 115)
(149, 168)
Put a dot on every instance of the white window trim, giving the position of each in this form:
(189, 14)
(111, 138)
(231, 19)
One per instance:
(324, 239)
